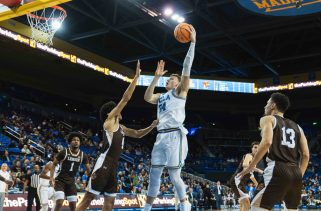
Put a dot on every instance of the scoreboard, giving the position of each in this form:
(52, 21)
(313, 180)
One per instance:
(203, 84)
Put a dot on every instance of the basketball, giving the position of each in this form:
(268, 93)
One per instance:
(182, 32)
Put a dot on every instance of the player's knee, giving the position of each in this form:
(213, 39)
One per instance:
(154, 181)
(246, 204)
(59, 202)
(72, 206)
(87, 200)
(44, 207)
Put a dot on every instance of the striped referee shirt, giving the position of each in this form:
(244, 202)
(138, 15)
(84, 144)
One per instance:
(34, 180)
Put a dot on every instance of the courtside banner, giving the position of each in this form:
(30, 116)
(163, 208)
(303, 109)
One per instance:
(18, 202)
(282, 7)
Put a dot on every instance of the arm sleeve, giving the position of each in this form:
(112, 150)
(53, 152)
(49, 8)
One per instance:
(188, 61)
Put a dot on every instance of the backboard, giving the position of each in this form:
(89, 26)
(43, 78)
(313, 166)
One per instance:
(25, 7)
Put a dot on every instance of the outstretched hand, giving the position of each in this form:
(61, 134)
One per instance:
(160, 69)
(138, 70)
(193, 34)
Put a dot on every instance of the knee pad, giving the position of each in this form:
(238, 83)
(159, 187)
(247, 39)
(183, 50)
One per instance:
(154, 181)
(175, 175)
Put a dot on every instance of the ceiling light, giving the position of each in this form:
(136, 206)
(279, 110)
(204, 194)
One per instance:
(180, 19)
(168, 12)
(175, 17)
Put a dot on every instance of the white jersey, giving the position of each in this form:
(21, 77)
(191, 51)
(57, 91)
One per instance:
(170, 110)
(45, 182)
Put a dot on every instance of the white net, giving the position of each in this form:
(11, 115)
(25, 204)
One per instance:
(45, 23)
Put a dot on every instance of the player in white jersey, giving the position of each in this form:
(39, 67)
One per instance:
(45, 191)
(170, 148)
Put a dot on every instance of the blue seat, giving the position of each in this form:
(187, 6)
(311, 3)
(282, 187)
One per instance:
(14, 150)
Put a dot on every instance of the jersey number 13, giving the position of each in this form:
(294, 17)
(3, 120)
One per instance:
(288, 136)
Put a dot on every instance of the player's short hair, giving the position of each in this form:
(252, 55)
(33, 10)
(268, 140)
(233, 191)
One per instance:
(177, 76)
(71, 135)
(281, 100)
(106, 109)
(254, 143)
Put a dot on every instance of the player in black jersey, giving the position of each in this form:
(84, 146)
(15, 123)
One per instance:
(287, 157)
(69, 160)
(103, 178)
(238, 185)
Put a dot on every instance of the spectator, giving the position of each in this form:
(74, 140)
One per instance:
(218, 192)
(5, 157)
(209, 198)
(191, 198)
(250, 189)
(3, 184)
(229, 199)
(200, 198)
(25, 150)
(17, 168)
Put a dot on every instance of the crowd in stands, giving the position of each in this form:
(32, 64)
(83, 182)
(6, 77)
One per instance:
(19, 149)
(311, 192)
(29, 140)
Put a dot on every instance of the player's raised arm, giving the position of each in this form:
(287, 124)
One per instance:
(183, 88)
(46, 169)
(127, 95)
(139, 133)
(149, 93)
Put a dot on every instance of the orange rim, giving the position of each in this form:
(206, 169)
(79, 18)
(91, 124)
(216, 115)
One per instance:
(44, 18)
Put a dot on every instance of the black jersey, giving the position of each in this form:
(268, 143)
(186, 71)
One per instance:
(285, 144)
(69, 164)
(113, 143)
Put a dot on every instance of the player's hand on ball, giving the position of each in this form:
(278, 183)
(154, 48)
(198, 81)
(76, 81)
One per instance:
(160, 69)
(193, 34)
(155, 122)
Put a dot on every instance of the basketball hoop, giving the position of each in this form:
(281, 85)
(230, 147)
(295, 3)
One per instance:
(44, 23)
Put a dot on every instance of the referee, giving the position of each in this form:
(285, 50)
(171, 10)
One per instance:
(31, 184)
